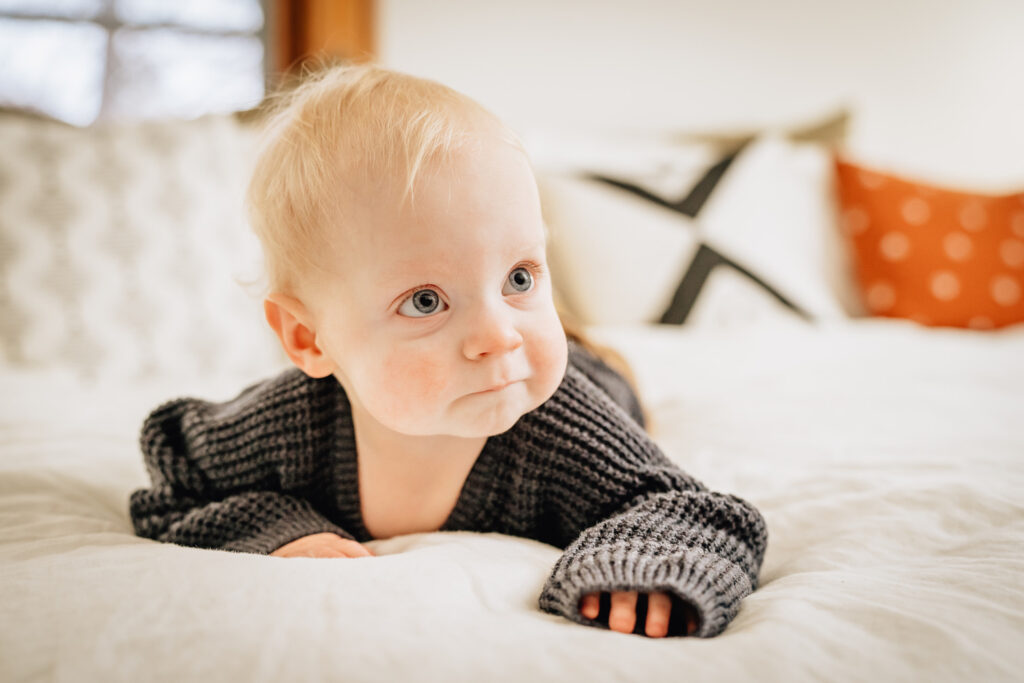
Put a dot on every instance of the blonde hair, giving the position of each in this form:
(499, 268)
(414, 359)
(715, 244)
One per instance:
(345, 128)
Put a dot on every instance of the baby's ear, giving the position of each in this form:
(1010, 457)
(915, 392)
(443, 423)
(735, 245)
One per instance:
(294, 327)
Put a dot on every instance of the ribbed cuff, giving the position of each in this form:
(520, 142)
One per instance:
(712, 584)
(284, 526)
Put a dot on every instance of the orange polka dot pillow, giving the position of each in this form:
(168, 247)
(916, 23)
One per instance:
(933, 255)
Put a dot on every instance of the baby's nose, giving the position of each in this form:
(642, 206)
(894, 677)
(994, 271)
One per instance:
(491, 333)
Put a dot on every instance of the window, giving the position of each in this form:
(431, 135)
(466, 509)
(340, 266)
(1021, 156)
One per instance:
(83, 61)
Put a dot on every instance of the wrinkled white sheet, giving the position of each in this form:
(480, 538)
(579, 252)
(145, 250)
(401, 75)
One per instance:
(887, 459)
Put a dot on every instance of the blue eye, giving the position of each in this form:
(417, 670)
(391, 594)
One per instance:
(520, 280)
(421, 304)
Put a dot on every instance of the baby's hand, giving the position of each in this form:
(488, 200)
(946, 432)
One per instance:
(622, 614)
(325, 544)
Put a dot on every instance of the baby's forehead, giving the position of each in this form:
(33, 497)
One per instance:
(402, 188)
(375, 204)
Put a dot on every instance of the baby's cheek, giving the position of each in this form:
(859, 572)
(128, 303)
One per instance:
(415, 382)
(549, 356)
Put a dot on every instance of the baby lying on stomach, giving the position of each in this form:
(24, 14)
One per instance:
(435, 388)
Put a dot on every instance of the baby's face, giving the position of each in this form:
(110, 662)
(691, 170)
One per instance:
(440, 318)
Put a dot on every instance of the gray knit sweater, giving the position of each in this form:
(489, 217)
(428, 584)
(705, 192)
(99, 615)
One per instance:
(279, 462)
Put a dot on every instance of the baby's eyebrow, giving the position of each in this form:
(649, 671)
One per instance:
(402, 269)
(529, 249)
(412, 270)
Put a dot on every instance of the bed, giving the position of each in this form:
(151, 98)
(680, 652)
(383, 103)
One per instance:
(885, 456)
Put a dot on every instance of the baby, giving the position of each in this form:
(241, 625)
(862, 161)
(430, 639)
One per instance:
(435, 388)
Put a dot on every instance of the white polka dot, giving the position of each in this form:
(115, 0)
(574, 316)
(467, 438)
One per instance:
(944, 285)
(973, 216)
(1012, 253)
(869, 180)
(980, 322)
(1018, 224)
(958, 246)
(855, 220)
(881, 296)
(1005, 290)
(894, 246)
(916, 211)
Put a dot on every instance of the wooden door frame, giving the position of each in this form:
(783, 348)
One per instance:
(306, 29)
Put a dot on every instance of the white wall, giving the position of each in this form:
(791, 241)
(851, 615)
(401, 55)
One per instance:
(936, 86)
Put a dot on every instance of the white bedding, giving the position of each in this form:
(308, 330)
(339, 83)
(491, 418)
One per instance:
(886, 458)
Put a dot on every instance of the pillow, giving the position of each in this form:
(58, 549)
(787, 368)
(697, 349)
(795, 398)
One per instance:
(775, 212)
(937, 256)
(699, 235)
(617, 257)
(123, 248)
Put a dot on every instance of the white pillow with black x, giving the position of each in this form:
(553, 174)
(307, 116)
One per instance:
(699, 237)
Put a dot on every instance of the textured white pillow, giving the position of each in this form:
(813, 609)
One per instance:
(121, 248)
(619, 258)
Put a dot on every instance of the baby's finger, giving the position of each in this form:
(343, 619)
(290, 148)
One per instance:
(590, 605)
(623, 613)
(309, 551)
(659, 611)
(691, 625)
(685, 617)
(350, 548)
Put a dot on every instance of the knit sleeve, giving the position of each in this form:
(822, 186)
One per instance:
(227, 476)
(629, 518)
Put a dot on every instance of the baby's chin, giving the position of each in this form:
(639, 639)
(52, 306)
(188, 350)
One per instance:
(488, 415)
(492, 425)
(490, 421)
(477, 416)
(465, 428)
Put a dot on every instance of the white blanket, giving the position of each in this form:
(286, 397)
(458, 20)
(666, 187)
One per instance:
(886, 458)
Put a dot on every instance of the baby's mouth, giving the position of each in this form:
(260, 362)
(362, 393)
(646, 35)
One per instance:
(497, 387)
